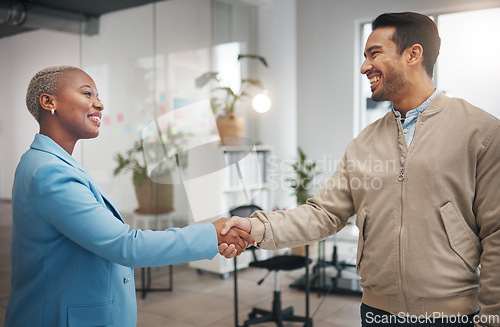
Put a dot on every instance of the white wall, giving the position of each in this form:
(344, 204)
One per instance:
(327, 58)
(277, 42)
(21, 56)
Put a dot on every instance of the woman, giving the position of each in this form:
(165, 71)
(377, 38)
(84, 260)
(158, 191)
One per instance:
(72, 254)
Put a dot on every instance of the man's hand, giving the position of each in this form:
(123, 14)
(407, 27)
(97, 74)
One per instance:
(238, 222)
(233, 242)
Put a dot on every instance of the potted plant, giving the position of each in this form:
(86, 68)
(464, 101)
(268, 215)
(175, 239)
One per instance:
(223, 100)
(305, 170)
(152, 197)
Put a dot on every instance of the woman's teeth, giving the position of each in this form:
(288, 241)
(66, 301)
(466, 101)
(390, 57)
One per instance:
(95, 119)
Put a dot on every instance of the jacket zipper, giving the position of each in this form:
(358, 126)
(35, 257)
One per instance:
(401, 179)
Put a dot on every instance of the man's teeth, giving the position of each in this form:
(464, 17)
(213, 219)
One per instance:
(374, 79)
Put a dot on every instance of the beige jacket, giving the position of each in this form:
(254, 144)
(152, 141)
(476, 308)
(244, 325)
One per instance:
(427, 215)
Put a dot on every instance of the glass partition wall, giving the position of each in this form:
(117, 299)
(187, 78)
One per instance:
(145, 62)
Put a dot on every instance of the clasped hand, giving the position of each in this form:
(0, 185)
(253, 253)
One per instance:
(233, 235)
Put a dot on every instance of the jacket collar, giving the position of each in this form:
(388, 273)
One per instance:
(438, 104)
(46, 144)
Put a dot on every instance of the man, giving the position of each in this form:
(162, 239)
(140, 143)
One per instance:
(423, 182)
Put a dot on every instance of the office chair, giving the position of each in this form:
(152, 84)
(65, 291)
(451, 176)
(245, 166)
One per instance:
(276, 264)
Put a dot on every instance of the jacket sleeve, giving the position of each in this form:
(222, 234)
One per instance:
(487, 211)
(322, 215)
(64, 200)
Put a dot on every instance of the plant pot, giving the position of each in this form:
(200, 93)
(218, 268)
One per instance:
(154, 198)
(230, 126)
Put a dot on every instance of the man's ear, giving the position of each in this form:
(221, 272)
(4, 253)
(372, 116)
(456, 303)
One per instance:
(47, 101)
(415, 54)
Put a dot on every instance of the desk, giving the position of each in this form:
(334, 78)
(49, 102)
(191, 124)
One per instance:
(145, 220)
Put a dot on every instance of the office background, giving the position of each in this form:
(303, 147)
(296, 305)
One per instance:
(145, 60)
(313, 49)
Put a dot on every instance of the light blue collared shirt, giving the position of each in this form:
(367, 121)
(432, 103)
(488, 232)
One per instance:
(410, 122)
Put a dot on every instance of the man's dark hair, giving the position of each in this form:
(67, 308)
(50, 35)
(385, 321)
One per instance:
(413, 28)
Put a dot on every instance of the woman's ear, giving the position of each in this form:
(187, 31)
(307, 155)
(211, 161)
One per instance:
(47, 101)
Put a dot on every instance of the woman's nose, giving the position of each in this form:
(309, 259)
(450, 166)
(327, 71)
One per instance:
(98, 105)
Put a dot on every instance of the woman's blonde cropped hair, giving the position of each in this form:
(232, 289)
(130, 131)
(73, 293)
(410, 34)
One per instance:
(45, 81)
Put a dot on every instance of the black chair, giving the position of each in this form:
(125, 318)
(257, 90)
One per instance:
(276, 264)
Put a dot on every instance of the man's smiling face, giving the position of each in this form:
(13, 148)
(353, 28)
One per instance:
(383, 65)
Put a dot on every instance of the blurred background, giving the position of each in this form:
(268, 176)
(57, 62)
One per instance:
(146, 56)
(283, 77)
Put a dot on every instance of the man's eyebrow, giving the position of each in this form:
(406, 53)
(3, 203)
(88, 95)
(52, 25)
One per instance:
(370, 49)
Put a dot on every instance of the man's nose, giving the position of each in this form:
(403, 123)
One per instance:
(365, 67)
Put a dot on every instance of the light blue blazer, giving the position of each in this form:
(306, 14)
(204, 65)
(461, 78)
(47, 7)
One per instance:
(72, 254)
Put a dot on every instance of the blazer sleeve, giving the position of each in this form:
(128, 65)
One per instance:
(62, 198)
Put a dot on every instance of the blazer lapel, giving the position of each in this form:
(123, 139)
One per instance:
(45, 143)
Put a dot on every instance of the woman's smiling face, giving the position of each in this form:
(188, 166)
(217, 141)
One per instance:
(77, 105)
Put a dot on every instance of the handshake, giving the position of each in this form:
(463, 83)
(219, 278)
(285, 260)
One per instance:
(233, 235)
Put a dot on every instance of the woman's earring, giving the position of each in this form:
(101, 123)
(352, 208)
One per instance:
(52, 111)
